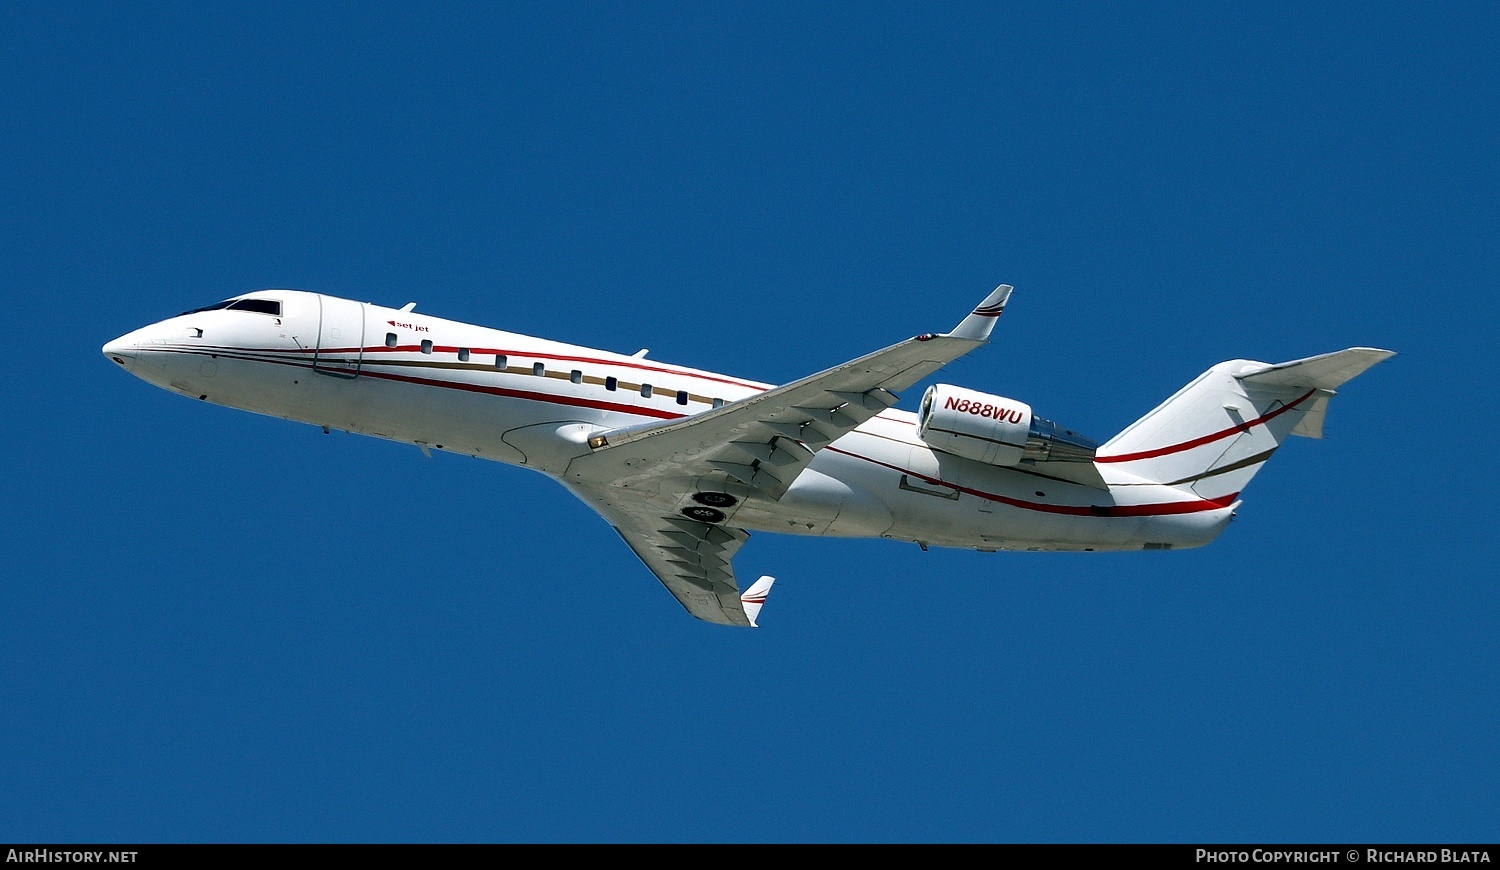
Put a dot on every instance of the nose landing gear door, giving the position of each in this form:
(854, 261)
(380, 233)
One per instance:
(341, 337)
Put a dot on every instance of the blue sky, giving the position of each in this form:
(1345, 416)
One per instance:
(222, 627)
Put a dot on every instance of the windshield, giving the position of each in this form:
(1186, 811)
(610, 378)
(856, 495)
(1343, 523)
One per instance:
(262, 306)
(215, 307)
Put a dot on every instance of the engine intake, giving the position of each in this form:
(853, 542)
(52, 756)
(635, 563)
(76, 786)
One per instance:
(995, 430)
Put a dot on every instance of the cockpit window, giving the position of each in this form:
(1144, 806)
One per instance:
(215, 307)
(264, 306)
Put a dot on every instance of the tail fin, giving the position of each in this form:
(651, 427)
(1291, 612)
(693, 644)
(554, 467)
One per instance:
(1216, 432)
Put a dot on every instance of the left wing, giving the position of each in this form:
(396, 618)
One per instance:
(767, 439)
(636, 477)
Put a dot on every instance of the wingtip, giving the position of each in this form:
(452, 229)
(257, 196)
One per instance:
(981, 321)
(995, 302)
(754, 598)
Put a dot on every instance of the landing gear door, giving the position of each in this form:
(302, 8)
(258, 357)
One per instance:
(341, 337)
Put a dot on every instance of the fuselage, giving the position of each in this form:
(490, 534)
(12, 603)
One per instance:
(527, 401)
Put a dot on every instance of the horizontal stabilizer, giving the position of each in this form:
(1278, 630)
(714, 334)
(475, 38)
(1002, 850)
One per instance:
(1325, 372)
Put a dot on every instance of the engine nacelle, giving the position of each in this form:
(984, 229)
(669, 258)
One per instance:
(995, 430)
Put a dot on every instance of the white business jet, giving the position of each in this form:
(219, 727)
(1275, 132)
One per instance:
(684, 463)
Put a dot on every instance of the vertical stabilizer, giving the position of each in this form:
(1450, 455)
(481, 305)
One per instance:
(1217, 432)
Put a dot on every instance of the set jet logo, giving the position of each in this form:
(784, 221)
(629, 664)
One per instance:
(412, 327)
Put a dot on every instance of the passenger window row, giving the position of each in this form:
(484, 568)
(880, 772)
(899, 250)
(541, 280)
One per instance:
(539, 369)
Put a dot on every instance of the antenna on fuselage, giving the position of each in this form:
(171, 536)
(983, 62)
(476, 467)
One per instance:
(640, 354)
(408, 306)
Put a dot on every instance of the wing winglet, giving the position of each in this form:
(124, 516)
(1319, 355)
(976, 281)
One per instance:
(981, 321)
(755, 597)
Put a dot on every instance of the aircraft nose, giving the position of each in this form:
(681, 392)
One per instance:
(121, 351)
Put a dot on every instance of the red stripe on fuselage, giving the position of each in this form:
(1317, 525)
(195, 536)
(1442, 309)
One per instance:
(1128, 510)
(528, 354)
(1071, 510)
(1206, 439)
(572, 401)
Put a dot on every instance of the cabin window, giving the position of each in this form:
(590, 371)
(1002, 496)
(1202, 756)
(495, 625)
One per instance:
(463, 354)
(390, 339)
(682, 397)
(426, 345)
(500, 361)
(539, 369)
(575, 376)
(718, 403)
(646, 390)
(611, 383)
